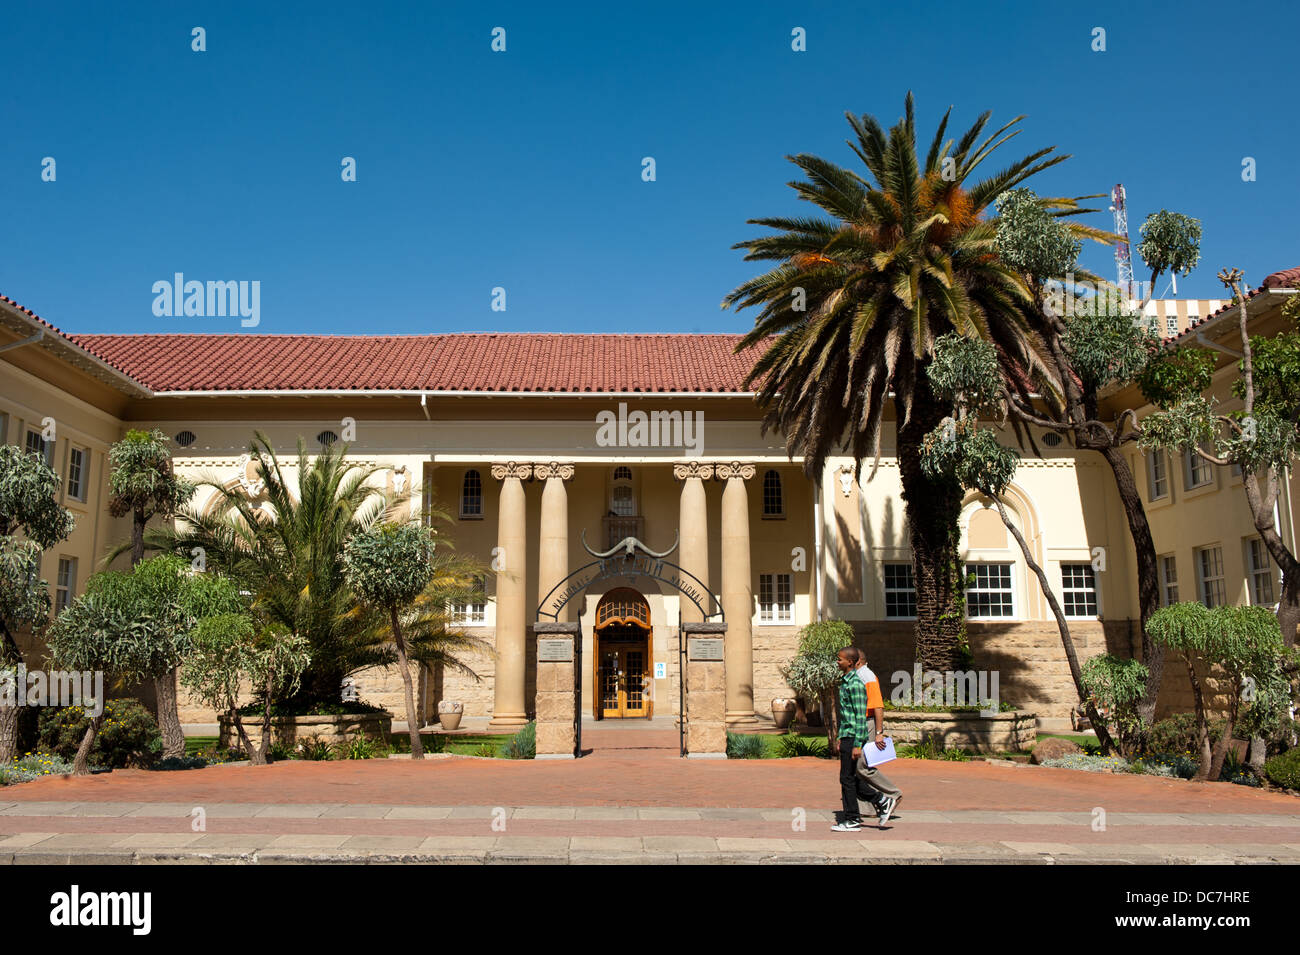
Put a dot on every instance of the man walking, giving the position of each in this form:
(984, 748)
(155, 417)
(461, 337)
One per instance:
(885, 795)
(852, 737)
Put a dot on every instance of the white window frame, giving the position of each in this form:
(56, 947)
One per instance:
(1068, 589)
(911, 575)
(1191, 463)
(82, 472)
(1204, 581)
(470, 614)
(1257, 574)
(1167, 566)
(65, 585)
(772, 612)
(1010, 590)
(1153, 480)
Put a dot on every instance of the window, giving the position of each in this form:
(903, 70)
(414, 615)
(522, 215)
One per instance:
(1209, 572)
(775, 598)
(185, 438)
(471, 496)
(38, 446)
(66, 582)
(1157, 476)
(471, 613)
(77, 458)
(327, 439)
(1171, 324)
(989, 593)
(1259, 571)
(1079, 588)
(900, 591)
(622, 473)
(1168, 581)
(1197, 470)
(622, 503)
(773, 504)
(4, 427)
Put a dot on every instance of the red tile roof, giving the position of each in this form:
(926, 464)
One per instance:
(511, 362)
(1287, 278)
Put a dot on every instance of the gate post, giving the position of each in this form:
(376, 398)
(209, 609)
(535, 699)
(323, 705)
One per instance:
(559, 704)
(704, 703)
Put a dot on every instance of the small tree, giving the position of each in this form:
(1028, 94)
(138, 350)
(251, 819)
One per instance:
(227, 651)
(389, 567)
(813, 673)
(136, 626)
(31, 520)
(1115, 687)
(1246, 644)
(143, 485)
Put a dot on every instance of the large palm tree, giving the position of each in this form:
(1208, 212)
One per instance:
(849, 314)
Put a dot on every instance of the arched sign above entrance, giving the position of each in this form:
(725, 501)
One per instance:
(630, 558)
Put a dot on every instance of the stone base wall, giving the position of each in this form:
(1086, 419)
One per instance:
(774, 647)
(1003, 733)
(289, 730)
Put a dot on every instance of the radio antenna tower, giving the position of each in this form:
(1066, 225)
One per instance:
(1123, 258)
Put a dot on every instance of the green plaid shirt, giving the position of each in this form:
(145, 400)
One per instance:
(853, 709)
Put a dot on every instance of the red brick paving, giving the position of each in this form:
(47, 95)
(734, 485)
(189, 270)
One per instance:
(646, 771)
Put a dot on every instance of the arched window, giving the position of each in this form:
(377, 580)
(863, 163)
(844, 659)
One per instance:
(622, 473)
(773, 502)
(471, 496)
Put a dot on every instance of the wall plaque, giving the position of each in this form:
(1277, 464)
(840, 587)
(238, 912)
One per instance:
(551, 650)
(704, 648)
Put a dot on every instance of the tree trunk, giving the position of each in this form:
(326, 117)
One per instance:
(8, 732)
(1202, 722)
(1076, 672)
(256, 757)
(169, 720)
(1258, 755)
(1221, 747)
(81, 763)
(412, 723)
(264, 744)
(1148, 575)
(138, 524)
(933, 511)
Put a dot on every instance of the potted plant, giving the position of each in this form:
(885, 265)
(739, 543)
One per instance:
(783, 711)
(449, 714)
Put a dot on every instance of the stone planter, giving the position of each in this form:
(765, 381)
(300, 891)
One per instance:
(783, 712)
(290, 730)
(450, 713)
(1013, 731)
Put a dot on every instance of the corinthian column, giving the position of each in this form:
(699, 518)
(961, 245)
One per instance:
(693, 528)
(737, 592)
(553, 551)
(511, 567)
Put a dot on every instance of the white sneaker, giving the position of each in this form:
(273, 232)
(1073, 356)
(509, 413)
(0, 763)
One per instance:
(849, 825)
(887, 805)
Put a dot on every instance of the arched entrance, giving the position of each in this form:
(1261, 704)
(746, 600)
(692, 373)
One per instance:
(622, 651)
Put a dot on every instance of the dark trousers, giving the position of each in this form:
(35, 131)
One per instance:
(848, 780)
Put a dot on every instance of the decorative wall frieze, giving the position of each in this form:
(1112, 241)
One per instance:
(512, 469)
(692, 469)
(552, 469)
(736, 469)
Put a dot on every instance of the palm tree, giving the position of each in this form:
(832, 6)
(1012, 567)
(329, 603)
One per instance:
(849, 315)
(286, 550)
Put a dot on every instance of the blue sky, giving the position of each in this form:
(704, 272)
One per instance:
(522, 169)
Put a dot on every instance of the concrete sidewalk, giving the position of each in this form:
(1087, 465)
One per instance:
(261, 833)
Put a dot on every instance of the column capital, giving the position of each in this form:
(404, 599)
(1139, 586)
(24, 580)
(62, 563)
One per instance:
(553, 469)
(512, 469)
(682, 470)
(737, 469)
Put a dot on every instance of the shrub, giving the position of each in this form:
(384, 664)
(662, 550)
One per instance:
(1092, 764)
(315, 748)
(180, 762)
(281, 750)
(743, 746)
(33, 766)
(485, 751)
(523, 745)
(128, 736)
(1117, 686)
(1284, 770)
(1177, 736)
(1172, 766)
(792, 745)
(360, 747)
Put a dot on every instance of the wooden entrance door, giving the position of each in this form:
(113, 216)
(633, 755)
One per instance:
(624, 681)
